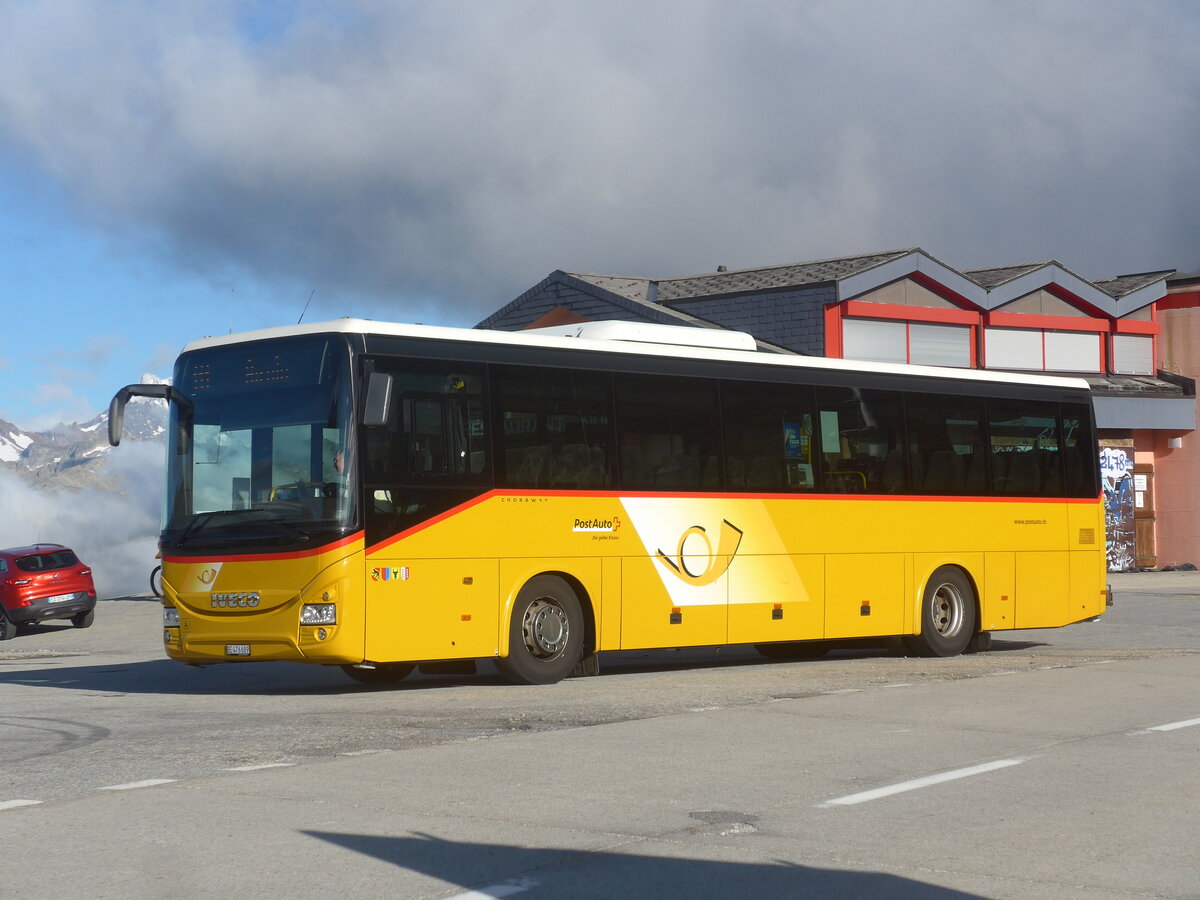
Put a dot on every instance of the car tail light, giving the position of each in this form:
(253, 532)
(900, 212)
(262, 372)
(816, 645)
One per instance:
(85, 571)
(19, 582)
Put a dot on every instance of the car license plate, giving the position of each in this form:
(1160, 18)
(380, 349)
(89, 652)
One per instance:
(60, 598)
(237, 649)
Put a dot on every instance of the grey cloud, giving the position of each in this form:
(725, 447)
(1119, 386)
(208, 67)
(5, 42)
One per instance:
(416, 155)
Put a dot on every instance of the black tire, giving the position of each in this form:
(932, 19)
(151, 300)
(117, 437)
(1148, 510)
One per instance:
(948, 619)
(793, 649)
(8, 630)
(156, 582)
(545, 636)
(383, 673)
(84, 619)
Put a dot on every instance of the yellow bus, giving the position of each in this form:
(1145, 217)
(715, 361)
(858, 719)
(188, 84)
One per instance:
(379, 496)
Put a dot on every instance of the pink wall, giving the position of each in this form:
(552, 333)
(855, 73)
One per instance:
(1177, 471)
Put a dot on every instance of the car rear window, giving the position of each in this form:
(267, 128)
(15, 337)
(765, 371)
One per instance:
(45, 562)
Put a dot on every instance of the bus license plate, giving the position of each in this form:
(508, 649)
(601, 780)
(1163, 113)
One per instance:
(237, 649)
(60, 598)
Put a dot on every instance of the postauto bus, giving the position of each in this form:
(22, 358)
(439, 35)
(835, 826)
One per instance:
(381, 496)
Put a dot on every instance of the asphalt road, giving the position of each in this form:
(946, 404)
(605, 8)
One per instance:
(1059, 764)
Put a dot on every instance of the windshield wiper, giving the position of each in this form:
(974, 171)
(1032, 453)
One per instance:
(200, 519)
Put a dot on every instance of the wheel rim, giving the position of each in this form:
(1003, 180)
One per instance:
(545, 628)
(949, 610)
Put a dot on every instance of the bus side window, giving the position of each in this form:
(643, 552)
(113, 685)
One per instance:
(862, 441)
(668, 432)
(436, 429)
(770, 436)
(1026, 460)
(946, 445)
(555, 427)
(1079, 452)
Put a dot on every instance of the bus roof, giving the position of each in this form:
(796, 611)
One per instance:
(624, 341)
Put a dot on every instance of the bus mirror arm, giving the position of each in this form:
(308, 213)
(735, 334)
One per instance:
(116, 409)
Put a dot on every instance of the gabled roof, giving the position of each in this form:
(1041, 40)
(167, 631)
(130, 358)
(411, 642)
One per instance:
(629, 288)
(998, 275)
(773, 277)
(740, 281)
(1121, 286)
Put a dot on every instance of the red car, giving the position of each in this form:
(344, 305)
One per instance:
(43, 582)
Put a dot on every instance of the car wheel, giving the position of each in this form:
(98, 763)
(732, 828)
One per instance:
(545, 636)
(383, 673)
(7, 629)
(83, 619)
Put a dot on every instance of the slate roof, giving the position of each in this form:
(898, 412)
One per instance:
(997, 275)
(741, 281)
(1123, 285)
(629, 288)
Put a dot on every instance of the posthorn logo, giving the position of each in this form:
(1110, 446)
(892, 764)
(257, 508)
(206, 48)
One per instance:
(694, 561)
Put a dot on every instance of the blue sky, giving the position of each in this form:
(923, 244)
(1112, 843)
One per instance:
(174, 169)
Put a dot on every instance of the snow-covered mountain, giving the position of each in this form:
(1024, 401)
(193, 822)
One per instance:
(73, 455)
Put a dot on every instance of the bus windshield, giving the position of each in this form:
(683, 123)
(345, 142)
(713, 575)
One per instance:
(265, 457)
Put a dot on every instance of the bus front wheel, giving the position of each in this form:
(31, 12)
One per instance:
(545, 636)
(947, 614)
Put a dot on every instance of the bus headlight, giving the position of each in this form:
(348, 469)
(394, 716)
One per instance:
(170, 617)
(318, 614)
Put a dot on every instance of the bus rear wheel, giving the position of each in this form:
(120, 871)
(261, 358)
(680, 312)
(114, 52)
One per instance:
(947, 614)
(383, 673)
(545, 636)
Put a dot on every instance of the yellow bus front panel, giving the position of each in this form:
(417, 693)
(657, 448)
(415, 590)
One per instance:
(249, 608)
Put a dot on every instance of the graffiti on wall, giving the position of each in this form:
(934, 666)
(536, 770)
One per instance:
(1116, 473)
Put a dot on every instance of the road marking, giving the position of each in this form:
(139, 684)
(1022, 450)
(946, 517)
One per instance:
(899, 684)
(14, 804)
(133, 785)
(507, 889)
(258, 767)
(842, 691)
(1170, 726)
(917, 783)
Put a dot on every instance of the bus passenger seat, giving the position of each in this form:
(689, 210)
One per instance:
(893, 471)
(944, 472)
(1024, 479)
(765, 472)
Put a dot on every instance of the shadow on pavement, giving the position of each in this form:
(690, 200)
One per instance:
(549, 872)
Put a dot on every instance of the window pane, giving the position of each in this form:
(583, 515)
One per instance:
(1080, 452)
(1072, 351)
(874, 340)
(668, 433)
(946, 445)
(436, 431)
(861, 441)
(1012, 348)
(769, 432)
(556, 427)
(1026, 461)
(939, 345)
(1133, 354)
